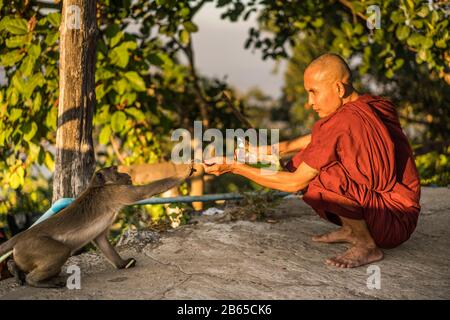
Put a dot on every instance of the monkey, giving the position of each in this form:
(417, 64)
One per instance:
(40, 252)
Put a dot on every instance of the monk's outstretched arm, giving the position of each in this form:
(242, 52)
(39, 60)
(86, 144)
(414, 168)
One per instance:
(293, 145)
(283, 181)
(286, 147)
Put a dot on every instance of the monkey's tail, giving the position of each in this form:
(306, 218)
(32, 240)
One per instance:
(8, 245)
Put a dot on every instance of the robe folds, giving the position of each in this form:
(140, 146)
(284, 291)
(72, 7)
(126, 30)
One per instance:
(366, 170)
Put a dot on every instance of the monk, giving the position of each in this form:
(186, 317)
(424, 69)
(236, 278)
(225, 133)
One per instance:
(356, 168)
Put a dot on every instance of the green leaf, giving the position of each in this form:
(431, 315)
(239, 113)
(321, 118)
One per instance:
(121, 86)
(29, 131)
(441, 43)
(423, 12)
(347, 28)
(14, 25)
(160, 59)
(13, 97)
(119, 56)
(41, 156)
(15, 114)
(49, 161)
(300, 24)
(15, 180)
(128, 98)
(427, 43)
(184, 12)
(359, 29)
(103, 116)
(415, 40)
(36, 80)
(116, 39)
(190, 26)
(18, 41)
(35, 50)
(11, 58)
(155, 59)
(118, 121)
(135, 113)
(18, 83)
(100, 91)
(51, 119)
(27, 65)
(37, 102)
(418, 24)
(34, 150)
(317, 23)
(51, 38)
(184, 37)
(105, 133)
(389, 73)
(402, 32)
(137, 83)
(54, 18)
(398, 63)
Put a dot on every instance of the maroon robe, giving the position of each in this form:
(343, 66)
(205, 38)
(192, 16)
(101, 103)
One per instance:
(366, 170)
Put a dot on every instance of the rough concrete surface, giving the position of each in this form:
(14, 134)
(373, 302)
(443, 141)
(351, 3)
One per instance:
(260, 260)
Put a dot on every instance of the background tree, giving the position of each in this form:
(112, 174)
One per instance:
(407, 59)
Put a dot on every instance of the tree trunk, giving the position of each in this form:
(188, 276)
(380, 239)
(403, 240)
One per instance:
(75, 158)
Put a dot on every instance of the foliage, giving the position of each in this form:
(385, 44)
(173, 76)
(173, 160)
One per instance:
(142, 90)
(434, 168)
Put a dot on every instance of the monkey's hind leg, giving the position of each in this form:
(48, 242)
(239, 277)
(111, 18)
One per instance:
(18, 274)
(47, 257)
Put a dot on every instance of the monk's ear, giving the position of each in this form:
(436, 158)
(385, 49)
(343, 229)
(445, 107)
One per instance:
(340, 89)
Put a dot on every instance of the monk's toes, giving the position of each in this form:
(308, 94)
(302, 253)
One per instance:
(338, 263)
(333, 262)
(350, 264)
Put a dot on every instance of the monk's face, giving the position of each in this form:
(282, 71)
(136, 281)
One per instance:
(323, 92)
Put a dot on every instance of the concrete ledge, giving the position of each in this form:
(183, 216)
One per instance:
(258, 260)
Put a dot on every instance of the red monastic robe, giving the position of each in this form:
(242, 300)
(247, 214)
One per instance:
(366, 170)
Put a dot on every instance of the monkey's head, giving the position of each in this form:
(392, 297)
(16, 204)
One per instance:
(110, 176)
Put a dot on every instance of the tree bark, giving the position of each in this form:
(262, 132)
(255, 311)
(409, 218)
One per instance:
(75, 158)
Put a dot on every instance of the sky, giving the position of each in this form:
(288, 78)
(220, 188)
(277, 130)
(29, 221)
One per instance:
(219, 52)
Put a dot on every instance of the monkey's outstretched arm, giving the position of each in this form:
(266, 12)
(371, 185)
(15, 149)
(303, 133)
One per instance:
(111, 254)
(131, 194)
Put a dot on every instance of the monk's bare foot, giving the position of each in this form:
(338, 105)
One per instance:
(343, 234)
(356, 256)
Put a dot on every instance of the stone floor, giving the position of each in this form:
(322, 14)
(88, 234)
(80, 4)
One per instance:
(260, 260)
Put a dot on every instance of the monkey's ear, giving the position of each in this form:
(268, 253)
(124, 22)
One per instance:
(99, 178)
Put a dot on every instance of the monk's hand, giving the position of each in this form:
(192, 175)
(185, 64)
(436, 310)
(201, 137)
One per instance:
(217, 166)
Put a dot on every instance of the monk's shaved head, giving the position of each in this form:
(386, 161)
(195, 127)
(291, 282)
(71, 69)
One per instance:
(328, 82)
(330, 67)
